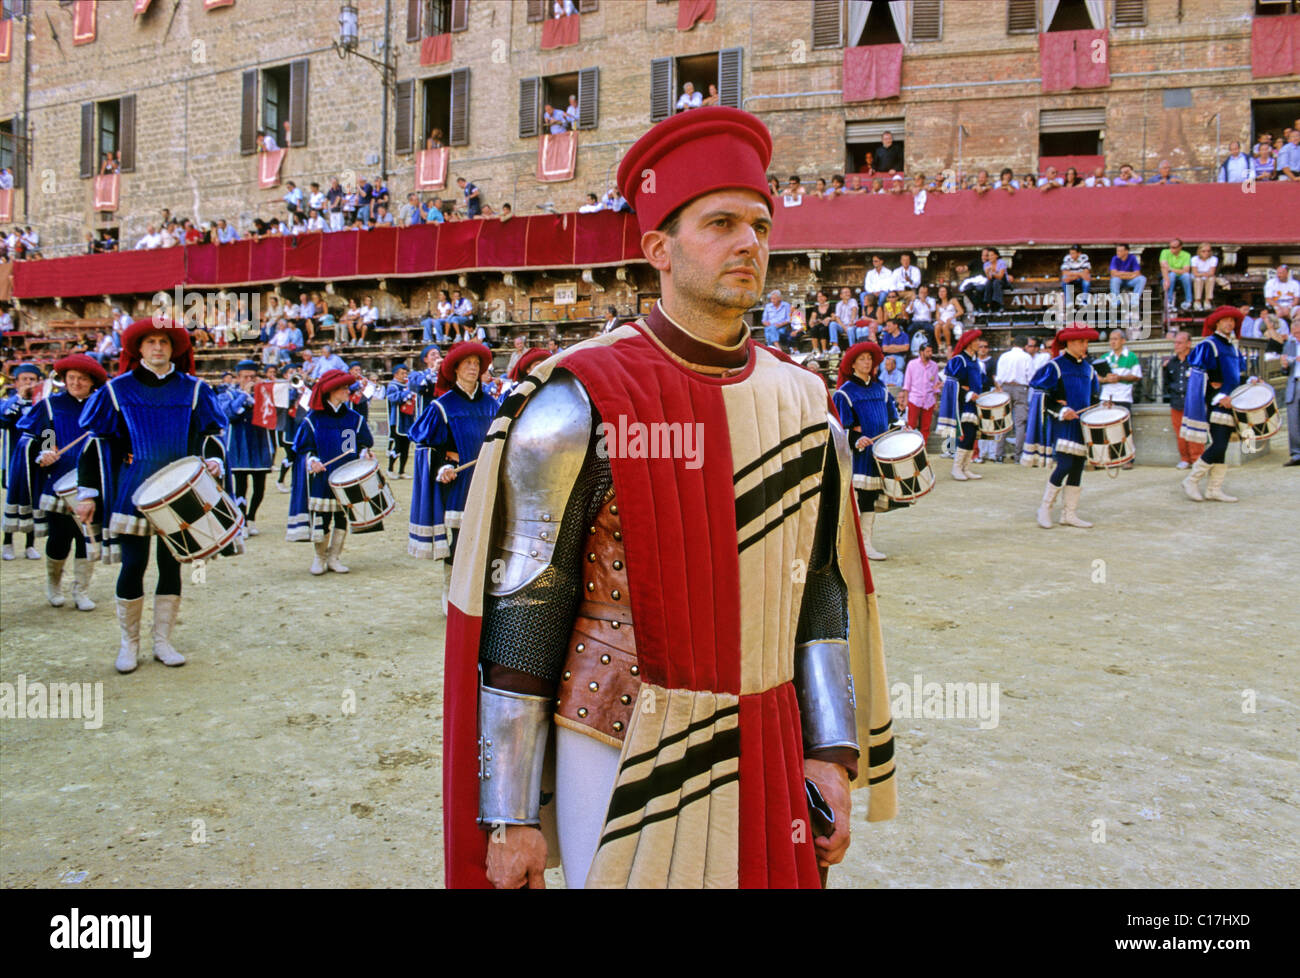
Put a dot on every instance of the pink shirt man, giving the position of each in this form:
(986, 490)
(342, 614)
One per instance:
(919, 382)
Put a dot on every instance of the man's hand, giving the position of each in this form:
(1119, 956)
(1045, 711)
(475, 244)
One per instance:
(46, 458)
(1068, 414)
(446, 474)
(517, 857)
(862, 443)
(316, 468)
(85, 510)
(833, 781)
(213, 467)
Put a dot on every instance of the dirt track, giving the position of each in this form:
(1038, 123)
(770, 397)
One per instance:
(1120, 700)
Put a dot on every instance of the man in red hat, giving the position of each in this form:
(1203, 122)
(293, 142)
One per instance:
(153, 413)
(964, 380)
(667, 572)
(1218, 367)
(1061, 388)
(52, 443)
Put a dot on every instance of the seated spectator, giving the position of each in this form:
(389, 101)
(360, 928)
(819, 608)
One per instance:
(1126, 273)
(108, 348)
(864, 330)
(462, 314)
(843, 320)
(712, 97)
(1252, 327)
(1050, 180)
(225, 233)
(1098, 178)
(1237, 168)
(982, 184)
(879, 279)
(1265, 165)
(1205, 268)
(690, 98)
(349, 324)
(1165, 174)
(1007, 181)
(947, 319)
(1274, 332)
(307, 315)
(368, 318)
(1288, 157)
(1282, 293)
(1071, 178)
(436, 324)
(921, 309)
(776, 320)
(1075, 267)
(151, 239)
(895, 342)
(820, 320)
(892, 307)
(892, 374)
(996, 278)
(1175, 267)
(869, 310)
(907, 278)
(591, 206)
(1126, 178)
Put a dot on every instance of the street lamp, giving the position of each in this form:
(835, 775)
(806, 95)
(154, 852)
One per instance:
(347, 28)
(348, 44)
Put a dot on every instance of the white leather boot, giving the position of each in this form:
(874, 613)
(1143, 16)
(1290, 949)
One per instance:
(868, 524)
(128, 617)
(1071, 515)
(322, 552)
(54, 582)
(82, 571)
(958, 469)
(965, 465)
(336, 548)
(1045, 509)
(1191, 484)
(446, 586)
(165, 609)
(1214, 488)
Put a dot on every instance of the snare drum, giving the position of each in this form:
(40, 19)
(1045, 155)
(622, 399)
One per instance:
(64, 493)
(904, 471)
(994, 409)
(1108, 434)
(189, 510)
(1255, 408)
(362, 491)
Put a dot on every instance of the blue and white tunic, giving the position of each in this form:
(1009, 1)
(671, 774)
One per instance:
(1217, 369)
(865, 409)
(53, 424)
(450, 432)
(399, 421)
(962, 375)
(18, 508)
(1061, 382)
(333, 436)
(249, 448)
(141, 422)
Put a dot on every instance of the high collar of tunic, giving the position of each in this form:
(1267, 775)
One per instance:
(693, 352)
(151, 377)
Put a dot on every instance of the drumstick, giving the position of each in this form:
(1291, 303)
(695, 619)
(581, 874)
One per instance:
(465, 466)
(336, 458)
(72, 444)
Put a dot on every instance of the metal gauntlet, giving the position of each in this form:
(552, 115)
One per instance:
(824, 684)
(511, 749)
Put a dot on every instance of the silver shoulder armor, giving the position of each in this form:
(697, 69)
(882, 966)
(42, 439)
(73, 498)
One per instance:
(543, 455)
(823, 681)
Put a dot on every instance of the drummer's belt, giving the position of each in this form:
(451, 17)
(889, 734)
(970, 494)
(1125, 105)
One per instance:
(598, 686)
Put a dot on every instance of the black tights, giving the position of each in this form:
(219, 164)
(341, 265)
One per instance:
(1069, 469)
(399, 446)
(1217, 450)
(29, 537)
(135, 558)
(250, 504)
(323, 521)
(65, 532)
(969, 429)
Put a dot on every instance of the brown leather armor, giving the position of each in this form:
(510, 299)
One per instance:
(598, 687)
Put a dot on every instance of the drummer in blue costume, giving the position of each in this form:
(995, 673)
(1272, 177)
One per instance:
(401, 415)
(51, 443)
(331, 435)
(1062, 387)
(153, 413)
(250, 449)
(964, 381)
(452, 429)
(18, 503)
(426, 383)
(1218, 368)
(866, 411)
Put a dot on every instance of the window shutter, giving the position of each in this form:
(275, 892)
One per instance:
(536, 10)
(20, 152)
(529, 92)
(661, 88)
(1071, 120)
(413, 19)
(126, 134)
(588, 97)
(729, 77)
(927, 20)
(1130, 13)
(1022, 16)
(248, 115)
(459, 135)
(828, 24)
(89, 165)
(460, 15)
(587, 6)
(298, 103)
(405, 117)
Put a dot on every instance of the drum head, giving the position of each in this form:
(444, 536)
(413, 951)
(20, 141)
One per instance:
(993, 399)
(898, 444)
(1100, 417)
(1249, 397)
(66, 485)
(354, 471)
(167, 481)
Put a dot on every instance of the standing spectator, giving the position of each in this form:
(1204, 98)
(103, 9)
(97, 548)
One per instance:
(1175, 266)
(1126, 273)
(947, 326)
(1165, 174)
(1174, 373)
(1291, 363)
(1050, 180)
(563, 8)
(610, 324)
(794, 187)
(1237, 168)
(1007, 181)
(690, 98)
(776, 320)
(293, 198)
(995, 270)
(1015, 369)
(316, 222)
(1126, 178)
(1123, 370)
(1205, 267)
(879, 279)
(907, 277)
(473, 199)
(591, 206)
(821, 190)
(982, 184)
(1075, 267)
(837, 186)
(266, 142)
(408, 214)
(1039, 356)
(1264, 164)
(1098, 178)
(921, 383)
(1288, 158)
(571, 112)
(985, 361)
(382, 217)
(889, 157)
(6, 178)
(334, 204)
(1071, 178)
(554, 119)
(151, 239)
(1282, 294)
(351, 201)
(712, 97)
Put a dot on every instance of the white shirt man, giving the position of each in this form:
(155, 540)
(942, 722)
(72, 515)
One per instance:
(315, 222)
(1282, 293)
(463, 307)
(368, 314)
(316, 201)
(691, 99)
(879, 279)
(1097, 178)
(31, 240)
(1015, 366)
(906, 277)
(152, 239)
(6, 179)
(1237, 168)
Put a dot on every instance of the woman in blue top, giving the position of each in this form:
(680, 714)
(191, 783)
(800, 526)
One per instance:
(866, 411)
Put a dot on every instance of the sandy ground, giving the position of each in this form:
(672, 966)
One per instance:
(1124, 753)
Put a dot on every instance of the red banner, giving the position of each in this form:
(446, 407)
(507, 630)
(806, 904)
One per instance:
(692, 12)
(1074, 59)
(107, 189)
(6, 39)
(557, 156)
(872, 72)
(264, 404)
(560, 32)
(431, 168)
(6, 205)
(435, 50)
(268, 168)
(83, 22)
(1275, 46)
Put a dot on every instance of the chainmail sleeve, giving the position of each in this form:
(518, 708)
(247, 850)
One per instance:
(825, 610)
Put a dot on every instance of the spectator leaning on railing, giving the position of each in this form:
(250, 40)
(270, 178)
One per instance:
(1288, 157)
(1165, 174)
(1237, 168)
